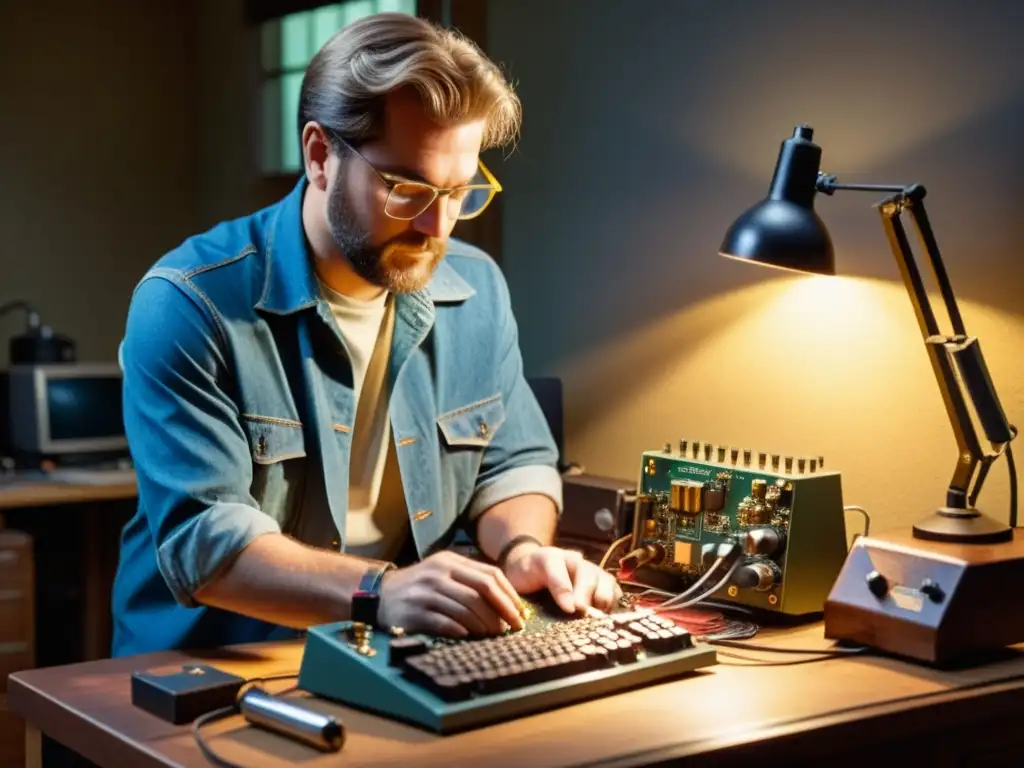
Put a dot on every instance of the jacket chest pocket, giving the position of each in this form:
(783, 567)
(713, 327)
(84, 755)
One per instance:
(278, 451)
(474, 425)
(465, 433)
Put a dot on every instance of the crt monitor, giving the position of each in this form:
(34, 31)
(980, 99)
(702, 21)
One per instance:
(66, 408)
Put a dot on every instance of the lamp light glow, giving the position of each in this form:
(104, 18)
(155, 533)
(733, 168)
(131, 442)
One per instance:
(784, 231)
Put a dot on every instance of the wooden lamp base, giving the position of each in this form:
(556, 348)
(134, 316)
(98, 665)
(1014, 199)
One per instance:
(932, 601)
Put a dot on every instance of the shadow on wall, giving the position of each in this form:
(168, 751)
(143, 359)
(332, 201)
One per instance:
(664, 123)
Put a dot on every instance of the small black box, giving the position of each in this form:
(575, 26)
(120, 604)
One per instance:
(181, 697)
(596, 511)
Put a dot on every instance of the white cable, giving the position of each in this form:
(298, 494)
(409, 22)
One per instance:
(673, 605)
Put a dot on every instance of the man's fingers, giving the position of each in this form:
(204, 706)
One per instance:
(440, 625)
(501, 579)
(585, 583)
(485, 619)
(488, 585)
(559, 583)
(606, 592)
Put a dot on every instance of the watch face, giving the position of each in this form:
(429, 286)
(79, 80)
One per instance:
(364, 607)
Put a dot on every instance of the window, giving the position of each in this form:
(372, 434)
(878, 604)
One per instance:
(286, 46)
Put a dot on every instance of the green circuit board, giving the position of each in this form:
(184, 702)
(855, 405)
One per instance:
(789, 523)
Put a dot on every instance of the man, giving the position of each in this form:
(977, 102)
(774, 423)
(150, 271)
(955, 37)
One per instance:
(320, 396)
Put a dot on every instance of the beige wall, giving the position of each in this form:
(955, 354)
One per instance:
(98, 156)
(650, 125)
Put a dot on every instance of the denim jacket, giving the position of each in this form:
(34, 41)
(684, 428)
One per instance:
(238, 406)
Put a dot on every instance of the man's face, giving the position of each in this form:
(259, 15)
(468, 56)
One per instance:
(399, 255)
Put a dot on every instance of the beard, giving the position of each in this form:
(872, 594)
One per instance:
(401, 265)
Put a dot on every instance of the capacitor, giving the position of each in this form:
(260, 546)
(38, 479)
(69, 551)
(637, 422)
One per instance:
(734, 454)
(291, 719)
(762, 459)
(775, 462)
(721, 455)
(707, 451)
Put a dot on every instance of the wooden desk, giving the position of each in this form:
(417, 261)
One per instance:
(17, 494)
(848, 711)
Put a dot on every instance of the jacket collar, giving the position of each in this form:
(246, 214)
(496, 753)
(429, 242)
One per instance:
(290, 283)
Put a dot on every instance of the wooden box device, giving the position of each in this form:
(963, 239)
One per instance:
(926, 600)
(17, 634)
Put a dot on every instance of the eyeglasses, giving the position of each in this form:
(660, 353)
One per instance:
(409, 199)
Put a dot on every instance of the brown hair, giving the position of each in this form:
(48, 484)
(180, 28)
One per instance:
(347, 80)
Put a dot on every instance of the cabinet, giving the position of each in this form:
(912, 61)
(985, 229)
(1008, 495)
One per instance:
(17, 634)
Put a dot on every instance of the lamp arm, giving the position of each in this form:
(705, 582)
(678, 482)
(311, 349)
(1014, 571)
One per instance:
(956, 359)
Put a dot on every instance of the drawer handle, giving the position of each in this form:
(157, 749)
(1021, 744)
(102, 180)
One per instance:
(7, 556)
(13, 647)
(11, 594)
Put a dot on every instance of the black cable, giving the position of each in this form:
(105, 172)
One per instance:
(16, 304)
(225, 712)
(772, 649)
(750, 661)
(1011, 465)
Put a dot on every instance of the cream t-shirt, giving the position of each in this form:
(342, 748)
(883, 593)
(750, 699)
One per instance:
(377, 521)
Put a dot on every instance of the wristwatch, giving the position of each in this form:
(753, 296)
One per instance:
(366, 598)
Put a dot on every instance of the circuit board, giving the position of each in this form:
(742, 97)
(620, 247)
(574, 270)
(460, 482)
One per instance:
(785, 513)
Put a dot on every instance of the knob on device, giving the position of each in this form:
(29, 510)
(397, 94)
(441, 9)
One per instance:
(760, 575)
(878, 584)
(762, 541)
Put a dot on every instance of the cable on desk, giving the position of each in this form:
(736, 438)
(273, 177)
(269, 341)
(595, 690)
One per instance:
(226, 712)
(842, 651)
(750, 661)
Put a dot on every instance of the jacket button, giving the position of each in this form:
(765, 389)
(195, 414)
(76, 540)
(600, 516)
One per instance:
(336, 543)
(261, 446)
(484, 429)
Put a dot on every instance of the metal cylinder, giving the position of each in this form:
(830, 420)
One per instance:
(291, 719)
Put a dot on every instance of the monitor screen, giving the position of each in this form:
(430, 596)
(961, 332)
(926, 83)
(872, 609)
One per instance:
(84, 408)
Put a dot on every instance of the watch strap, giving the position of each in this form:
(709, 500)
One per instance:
(366, 598)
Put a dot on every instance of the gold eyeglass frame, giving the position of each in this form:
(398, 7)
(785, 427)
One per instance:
(390, 180)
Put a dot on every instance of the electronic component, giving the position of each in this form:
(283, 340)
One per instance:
(790, 526)
(182, 696)
(940, 604)
(596, 511)
(291, 719)
(449, 685)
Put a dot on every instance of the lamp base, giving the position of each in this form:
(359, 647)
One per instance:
(962, 526)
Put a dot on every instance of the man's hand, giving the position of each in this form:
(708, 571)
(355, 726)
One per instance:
(575, 583)
(451, 596)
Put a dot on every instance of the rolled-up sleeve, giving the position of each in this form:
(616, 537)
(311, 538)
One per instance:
(191, 456)
(521, 457)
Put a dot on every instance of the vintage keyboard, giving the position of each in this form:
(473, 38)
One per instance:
(446, 686)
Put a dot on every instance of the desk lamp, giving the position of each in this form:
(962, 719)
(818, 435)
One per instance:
(932, 595)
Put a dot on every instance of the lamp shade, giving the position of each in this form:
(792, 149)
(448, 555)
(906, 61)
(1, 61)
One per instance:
(784, 230)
